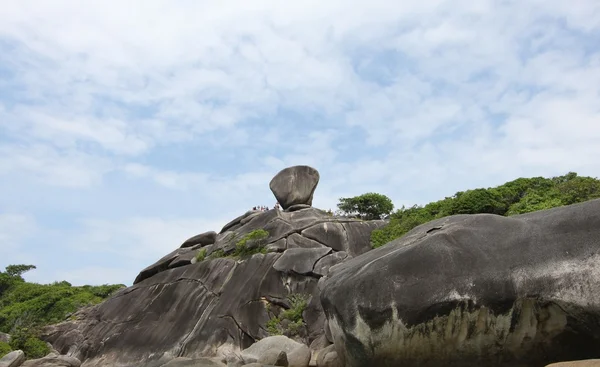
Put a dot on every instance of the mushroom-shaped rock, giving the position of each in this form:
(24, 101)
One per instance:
(295, 185)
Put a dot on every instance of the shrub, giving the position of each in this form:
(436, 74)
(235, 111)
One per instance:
(26, 340)
(293, 315)
(252, 243)
(4, 349)
(519, 196)
(217, 253)
(201, 255)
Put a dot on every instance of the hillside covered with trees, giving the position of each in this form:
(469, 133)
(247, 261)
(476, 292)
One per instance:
(25, 307)
(520, 196)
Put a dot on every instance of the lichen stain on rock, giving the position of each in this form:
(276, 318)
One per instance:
(465, 331)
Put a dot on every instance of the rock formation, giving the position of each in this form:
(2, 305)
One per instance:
(217, 299)
(294, 187)
(473, 290)
(279, 287)
(13, 359)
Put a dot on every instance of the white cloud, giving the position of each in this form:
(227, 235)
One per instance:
(15, 228)
(162, 107)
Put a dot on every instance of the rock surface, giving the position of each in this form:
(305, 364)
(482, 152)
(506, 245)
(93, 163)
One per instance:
(213, 307)
(203, 239)
(189, 362)
(12, 359)
(473, 290)
(53, 360)
(295, 185)
(4, 338)
(585, 363)
(298, 354)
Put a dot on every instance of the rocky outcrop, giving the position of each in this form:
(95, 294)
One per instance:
(473, 290)
(4, 338)
(268, 350)
(294, 186)
(203, 239)
(13, 359)
(224, 301)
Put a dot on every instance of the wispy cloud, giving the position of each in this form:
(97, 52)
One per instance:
(121, 120)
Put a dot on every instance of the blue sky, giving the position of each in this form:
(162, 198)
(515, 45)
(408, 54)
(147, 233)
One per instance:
(126, 128)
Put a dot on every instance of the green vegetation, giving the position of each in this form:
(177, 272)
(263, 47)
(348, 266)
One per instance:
(4, 349)
(26, 307)
(520, 196)
(217, 253)
(26, 340)
(368, 206)
(201, 255)
(289, 321)
(252, 243)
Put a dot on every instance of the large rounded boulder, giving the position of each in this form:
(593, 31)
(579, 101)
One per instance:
(473, 290)
(295, 186)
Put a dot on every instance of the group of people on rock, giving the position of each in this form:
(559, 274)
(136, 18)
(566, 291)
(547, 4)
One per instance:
(263, 208)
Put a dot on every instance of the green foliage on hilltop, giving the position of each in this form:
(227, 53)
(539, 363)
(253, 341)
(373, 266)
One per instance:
(520, 196)
(368, 206)
(25, 307)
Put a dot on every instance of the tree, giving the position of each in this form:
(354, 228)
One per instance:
(368, 206)
(12, 275)
(478, 201)
(18, 270)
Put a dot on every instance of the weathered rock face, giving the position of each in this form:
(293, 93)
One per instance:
(217, 306)
(53, 360)
(12, 359)
(294, 186)
(296, 354)
(473, 290)
(203, 239)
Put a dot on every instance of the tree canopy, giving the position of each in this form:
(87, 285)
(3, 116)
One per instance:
(25, 306)
(368, 206)
(519, 196)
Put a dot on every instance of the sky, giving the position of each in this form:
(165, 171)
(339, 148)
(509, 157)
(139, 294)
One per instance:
(128, 127)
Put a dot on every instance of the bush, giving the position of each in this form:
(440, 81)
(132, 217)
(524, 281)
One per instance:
(201, 255)
(293, 315)
(520, 196)
(4, 349)
(368, 206)
(26, 340)
(252, 243)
